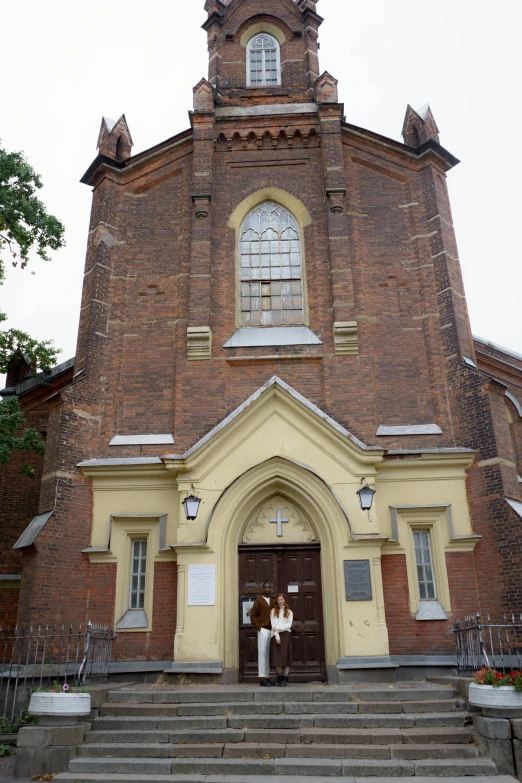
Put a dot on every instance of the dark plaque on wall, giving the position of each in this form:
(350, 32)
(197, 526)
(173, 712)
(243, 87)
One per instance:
(357, 580)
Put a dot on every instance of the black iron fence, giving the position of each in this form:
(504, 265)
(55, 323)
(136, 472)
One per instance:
(35, 658)
(485, 643)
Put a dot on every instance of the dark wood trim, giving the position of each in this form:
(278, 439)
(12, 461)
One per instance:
(277, 547)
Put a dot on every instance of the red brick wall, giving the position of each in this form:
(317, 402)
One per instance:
(227, 58)
(19, 497)
(426, 637)
(158, 644)
(8, 606)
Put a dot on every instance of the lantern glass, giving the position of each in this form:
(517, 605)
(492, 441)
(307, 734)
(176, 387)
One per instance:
(366, 497)
(191, 506)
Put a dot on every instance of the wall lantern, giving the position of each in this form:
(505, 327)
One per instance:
(191, 505)
(366, 494)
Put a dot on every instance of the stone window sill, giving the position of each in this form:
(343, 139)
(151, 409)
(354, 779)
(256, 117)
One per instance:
(256, 337)
(133, 620)
(430, 610)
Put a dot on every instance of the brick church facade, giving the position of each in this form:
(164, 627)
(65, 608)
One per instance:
(273, 316)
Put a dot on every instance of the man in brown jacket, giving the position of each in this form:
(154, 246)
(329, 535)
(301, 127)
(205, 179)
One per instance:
(260, 619)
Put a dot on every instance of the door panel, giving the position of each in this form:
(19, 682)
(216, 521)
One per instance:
(297, 565)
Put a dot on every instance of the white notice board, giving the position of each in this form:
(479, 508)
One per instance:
(202, 585)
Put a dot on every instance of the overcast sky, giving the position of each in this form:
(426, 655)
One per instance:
(67, 64)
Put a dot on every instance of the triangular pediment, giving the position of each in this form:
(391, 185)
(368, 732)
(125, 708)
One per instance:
(278, 420)
(275, 441)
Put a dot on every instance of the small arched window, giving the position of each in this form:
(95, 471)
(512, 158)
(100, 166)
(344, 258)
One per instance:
(263, 61)
(271, 284)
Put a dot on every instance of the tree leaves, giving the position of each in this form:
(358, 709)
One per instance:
(17, 346)
(24, 221)
(11, 439)
(25, 225)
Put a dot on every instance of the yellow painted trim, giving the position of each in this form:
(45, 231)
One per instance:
(293, 204)
(262, 27)
(351, 628)
(435, 521)
(124, 531)
(10, 584)
(463, 545)
(277, 446)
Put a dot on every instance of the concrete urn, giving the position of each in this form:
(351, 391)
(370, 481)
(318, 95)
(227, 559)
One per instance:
(501, 702)
(62, 707)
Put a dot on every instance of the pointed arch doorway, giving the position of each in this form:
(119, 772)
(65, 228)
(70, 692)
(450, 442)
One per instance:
(280, 546)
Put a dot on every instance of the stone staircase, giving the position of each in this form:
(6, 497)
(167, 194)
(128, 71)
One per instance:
(247, 733)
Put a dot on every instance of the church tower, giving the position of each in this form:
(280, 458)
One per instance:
(274, 326)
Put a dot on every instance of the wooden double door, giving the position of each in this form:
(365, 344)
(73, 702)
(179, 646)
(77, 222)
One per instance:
(296, 571)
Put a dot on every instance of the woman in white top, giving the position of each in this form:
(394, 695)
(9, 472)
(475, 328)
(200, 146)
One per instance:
(281, 618)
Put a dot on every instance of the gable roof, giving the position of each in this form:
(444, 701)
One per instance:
(275, 383)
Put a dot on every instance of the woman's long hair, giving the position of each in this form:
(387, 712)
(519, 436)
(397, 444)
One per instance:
(286, 609)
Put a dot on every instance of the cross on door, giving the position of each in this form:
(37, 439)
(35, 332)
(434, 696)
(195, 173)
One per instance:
(279, 519)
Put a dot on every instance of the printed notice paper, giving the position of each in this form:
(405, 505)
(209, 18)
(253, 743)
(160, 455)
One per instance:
(202, 585)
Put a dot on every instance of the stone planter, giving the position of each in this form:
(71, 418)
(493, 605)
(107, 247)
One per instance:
(60, 708)
(503, 702)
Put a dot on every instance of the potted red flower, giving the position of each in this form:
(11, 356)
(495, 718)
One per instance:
(499, 694)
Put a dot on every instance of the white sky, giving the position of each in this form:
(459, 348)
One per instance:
(66, 64)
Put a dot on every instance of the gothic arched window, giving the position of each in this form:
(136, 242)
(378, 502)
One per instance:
(270, 272)
(263, 61)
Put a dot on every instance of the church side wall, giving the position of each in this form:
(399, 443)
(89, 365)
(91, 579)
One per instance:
(409, 636)
(19, 497)
(126, 356)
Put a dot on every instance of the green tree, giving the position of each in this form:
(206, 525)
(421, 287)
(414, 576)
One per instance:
(25, 226)
(15, 345)
(24, 221)
(11, 439)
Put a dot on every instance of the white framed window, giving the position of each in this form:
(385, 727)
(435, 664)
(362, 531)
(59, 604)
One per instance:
(424, 565)
(270, 274)
(422, 533)
(263, 61)
(138, 574)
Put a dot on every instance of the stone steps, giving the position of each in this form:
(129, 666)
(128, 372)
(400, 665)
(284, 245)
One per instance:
(296, 767)
(205, 734)
(282, 721)
(288, 707)
(220, 695)
(144, 778)
(275, 750)
(419, 736)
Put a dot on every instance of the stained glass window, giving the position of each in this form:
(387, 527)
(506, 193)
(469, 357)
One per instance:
(271, 288)
(263, 61)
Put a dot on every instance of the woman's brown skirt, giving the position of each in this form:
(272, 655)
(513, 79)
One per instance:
(281, 654)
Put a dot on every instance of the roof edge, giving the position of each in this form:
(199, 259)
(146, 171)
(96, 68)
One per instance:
(497, 347)
(119, 165)
(428, 146)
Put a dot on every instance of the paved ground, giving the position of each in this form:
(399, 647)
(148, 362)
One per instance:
(4, 779)
(234, 779)
(284, 779)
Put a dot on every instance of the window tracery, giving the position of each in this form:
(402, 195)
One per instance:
(263, 61)
(271, 288)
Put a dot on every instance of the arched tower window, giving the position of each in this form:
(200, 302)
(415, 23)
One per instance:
(263, 61)
(271, 284)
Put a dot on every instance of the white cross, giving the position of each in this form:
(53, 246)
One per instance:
(279, 520)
